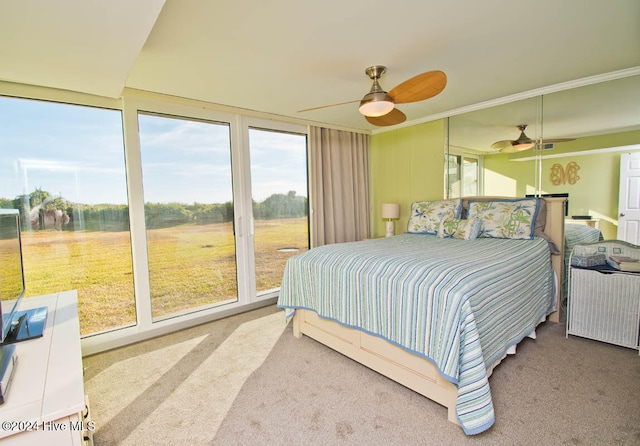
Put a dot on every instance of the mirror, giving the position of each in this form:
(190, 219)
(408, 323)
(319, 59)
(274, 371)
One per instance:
(472, 135)
(600, 120)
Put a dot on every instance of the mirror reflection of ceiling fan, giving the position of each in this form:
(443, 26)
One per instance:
(523, 142)
(379, 107)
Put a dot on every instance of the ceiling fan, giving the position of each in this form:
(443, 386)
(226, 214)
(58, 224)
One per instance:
(379, 107)
(523, 142)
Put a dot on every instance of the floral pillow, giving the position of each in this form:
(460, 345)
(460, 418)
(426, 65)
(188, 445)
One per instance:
(506, 218)
(426, 215)
(458, 228)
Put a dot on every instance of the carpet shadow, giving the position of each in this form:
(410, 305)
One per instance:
(129, 418)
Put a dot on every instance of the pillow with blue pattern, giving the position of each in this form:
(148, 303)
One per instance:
(426, 215)
(467, 229)
(513, 219)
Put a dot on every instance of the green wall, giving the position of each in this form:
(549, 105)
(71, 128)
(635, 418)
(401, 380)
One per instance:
(506, 178)
(594, 193)
(406, 165)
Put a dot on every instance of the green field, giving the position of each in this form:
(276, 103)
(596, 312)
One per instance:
(189, 266)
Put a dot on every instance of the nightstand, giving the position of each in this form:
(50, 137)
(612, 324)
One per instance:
(603, 302)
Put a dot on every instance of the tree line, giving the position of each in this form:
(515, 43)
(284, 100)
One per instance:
(115, 217)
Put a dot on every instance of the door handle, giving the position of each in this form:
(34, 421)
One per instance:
(621, 214)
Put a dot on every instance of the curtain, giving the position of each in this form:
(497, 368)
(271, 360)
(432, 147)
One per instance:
(338, 186)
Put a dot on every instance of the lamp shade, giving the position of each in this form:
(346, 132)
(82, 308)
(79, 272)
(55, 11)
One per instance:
(390, 210)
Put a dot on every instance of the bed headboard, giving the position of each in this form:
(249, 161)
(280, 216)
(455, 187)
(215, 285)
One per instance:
(555, 230)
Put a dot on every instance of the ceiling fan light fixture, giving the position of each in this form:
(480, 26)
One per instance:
(376, 104)
(522, 146)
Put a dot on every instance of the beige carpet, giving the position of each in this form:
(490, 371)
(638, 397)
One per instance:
(246, 380)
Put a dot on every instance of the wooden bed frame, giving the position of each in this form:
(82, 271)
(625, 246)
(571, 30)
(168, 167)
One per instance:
(410, 370)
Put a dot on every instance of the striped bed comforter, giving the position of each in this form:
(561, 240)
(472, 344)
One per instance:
(458, 303)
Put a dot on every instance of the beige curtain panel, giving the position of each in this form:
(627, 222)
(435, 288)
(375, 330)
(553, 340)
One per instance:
(339, 186)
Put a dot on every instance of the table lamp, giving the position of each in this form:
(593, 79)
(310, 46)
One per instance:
(390, 211)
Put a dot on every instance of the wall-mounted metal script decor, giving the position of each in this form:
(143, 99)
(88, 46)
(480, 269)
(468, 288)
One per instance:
(567, 175)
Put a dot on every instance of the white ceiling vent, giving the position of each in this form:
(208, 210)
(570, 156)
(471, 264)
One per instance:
(548, 146)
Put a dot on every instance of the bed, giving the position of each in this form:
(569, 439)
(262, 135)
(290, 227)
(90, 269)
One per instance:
(434, 311)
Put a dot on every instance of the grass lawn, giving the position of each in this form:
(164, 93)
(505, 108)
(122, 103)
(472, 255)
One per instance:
(189, 266)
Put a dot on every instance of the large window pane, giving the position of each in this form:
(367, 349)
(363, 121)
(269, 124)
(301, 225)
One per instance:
(462, 176)
(63, 167)
(280, 202)
(186, 174)
(454, 175)
(470, 182)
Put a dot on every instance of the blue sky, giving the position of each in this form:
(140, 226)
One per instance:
(77, 152)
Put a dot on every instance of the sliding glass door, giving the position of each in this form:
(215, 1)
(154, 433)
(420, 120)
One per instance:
(188, 205)
(280, 202)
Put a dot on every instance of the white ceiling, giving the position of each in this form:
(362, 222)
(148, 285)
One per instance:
(282, 56)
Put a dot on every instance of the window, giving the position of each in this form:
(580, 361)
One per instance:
(188, 201)
(462, 175)
(63, 167)
(158, 214)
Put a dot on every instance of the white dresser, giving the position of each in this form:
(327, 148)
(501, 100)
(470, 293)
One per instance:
(46, 402)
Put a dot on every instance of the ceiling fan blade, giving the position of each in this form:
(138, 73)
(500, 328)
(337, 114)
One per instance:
(558, 140)
(507, 146)
(500, 145)
(326, 106)
(420, 87)
(394, 117)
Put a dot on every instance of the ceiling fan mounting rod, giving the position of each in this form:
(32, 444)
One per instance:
(375, 71)
(523, 142)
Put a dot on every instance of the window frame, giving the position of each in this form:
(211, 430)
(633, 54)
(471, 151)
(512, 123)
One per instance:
(239, 122)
